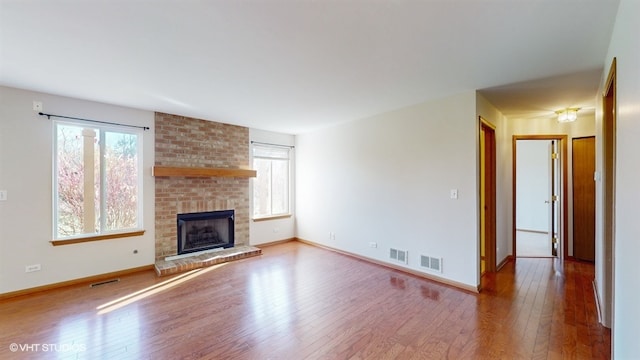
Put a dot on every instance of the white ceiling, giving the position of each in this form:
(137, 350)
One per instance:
(541, 98)
(298, 65)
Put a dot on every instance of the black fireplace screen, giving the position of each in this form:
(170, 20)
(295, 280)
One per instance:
(205, 231)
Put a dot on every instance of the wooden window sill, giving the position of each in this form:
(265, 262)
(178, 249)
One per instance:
(96, 238)
(275, 217)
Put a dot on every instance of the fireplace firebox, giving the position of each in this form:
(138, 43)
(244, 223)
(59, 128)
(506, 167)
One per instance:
(205, 231)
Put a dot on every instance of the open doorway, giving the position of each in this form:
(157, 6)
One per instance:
(539, 192)
(609, 194)
(487, 197)
(536, 222)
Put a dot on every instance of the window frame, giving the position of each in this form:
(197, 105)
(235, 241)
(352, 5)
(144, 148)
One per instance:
(103, 234)
(289, 162)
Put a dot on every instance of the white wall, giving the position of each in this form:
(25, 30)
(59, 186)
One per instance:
(626, 48)
(26, 217)
(265, 231)
(387, 179)
(504, 193)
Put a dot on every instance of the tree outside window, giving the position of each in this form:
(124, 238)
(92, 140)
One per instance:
(97, 177)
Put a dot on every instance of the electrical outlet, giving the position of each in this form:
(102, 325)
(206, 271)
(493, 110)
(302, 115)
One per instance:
(3, 195)
(373, 244)
(32, 268)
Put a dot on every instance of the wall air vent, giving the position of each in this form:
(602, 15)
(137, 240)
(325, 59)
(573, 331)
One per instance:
(399, 255)
(424, 261)
(431, 263)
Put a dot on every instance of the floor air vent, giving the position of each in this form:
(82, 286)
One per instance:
(400, 255)
(104, 282)
(431, 263)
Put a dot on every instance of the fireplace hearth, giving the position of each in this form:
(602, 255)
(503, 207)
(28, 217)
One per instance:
(205, 231)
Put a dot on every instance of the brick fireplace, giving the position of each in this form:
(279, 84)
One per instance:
(188, 142)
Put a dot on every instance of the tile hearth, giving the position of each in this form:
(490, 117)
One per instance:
(169, 267)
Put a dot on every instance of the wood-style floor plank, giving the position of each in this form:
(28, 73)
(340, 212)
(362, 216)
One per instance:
(297, 301)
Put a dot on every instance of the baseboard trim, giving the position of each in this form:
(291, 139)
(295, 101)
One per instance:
(595, 294)
(435, 278)
(88, 279)
(151, 267)
(504, 262)
(277, 242)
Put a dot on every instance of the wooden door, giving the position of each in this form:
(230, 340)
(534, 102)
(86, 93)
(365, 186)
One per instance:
(584, 198)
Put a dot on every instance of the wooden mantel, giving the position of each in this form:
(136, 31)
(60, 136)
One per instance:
(167, 171)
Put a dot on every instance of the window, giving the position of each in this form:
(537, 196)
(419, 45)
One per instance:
(271, 185)
(96, 181)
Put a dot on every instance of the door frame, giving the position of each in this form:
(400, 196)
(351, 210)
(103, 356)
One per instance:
(609, 120)
(488, 193)
(562, 142)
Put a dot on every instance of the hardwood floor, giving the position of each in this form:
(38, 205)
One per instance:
(297, 301)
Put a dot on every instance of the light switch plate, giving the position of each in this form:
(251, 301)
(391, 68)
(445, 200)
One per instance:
(454, 193)
(3, 195)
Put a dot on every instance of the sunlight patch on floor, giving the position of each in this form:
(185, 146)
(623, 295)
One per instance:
(154, 289)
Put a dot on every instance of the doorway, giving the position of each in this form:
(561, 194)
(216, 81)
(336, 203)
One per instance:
(487, 197)
(539, 193)
(608, 186)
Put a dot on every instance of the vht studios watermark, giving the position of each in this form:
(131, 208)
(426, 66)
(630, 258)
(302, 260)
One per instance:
(47, 347)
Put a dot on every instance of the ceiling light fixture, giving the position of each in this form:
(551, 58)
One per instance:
(567, 115)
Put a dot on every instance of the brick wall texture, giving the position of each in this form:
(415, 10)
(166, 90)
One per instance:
(188, 142)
